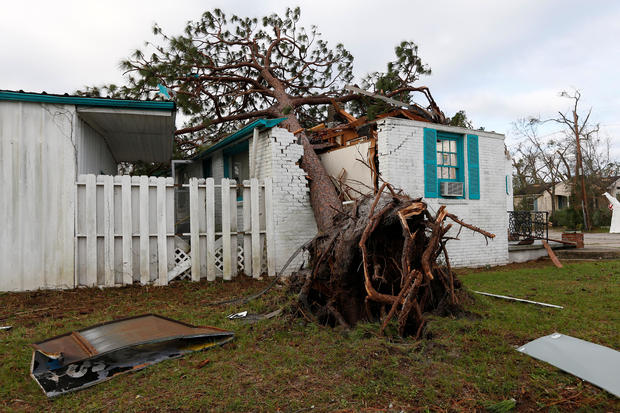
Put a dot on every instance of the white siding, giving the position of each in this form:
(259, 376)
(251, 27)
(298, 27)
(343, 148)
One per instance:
(401, 162)
(37, 195)
(94, 156)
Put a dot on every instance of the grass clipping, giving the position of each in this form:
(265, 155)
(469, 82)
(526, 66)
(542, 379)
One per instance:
(385, 258)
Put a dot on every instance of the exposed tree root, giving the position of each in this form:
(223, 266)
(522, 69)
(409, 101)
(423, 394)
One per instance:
(380, 261)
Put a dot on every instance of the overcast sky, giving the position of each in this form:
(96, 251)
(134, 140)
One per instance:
(497, 60)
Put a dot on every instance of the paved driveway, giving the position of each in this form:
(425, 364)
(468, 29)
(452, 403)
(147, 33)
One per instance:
(594, 240)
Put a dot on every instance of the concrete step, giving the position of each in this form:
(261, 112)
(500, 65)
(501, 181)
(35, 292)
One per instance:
(589, 253)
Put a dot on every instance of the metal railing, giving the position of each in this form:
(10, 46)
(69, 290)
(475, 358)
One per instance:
(528, 224)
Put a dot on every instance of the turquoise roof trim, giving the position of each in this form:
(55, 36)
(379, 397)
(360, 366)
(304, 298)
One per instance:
(240, 134)
(86, 101)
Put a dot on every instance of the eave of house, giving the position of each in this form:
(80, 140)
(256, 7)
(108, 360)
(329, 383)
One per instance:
(242, 133)
(86, 101)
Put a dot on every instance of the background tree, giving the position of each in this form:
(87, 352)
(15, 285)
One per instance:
(580, 155)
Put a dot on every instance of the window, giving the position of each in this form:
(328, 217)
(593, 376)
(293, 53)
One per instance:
(447, 159)
(444, 161)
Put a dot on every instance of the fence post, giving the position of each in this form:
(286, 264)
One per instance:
(194, 227)
(108, 231)
(247, 227)
(127, 229)
(210, 219)
(226, 258)
(270, 229)
(234, 241)
(256, 247)
(145, 259)
(91, 230)
(162, 252)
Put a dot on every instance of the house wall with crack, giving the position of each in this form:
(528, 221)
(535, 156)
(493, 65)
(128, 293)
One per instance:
(401, 162)
(38, 165)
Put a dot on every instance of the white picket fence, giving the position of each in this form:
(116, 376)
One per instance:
(244, 240)
(125, 230)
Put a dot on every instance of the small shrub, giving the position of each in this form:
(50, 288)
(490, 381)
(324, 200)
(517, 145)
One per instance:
(567, 217)
(601, 217)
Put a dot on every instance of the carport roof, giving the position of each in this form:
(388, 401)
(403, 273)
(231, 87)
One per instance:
(67, 99)
(134, 130)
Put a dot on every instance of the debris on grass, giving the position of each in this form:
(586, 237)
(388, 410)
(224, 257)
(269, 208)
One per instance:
(589, 361)
(253, 318)
(234, 316)
(5, 328)
(506, 297)
(80, 359)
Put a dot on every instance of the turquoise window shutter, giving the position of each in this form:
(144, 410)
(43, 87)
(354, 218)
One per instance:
(430, 164)
(473, 167)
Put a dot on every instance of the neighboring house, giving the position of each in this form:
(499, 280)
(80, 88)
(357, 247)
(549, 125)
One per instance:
(466, 170)
(46, 141)
(538, 197)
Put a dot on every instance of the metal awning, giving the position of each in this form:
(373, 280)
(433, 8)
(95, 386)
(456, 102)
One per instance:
(133, 134)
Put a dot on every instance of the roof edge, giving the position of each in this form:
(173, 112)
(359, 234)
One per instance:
(262, 124)
(85, 101)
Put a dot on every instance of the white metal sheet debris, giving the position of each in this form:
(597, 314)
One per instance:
(597, 364)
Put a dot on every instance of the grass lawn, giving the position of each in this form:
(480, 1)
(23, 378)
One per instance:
(288, 365)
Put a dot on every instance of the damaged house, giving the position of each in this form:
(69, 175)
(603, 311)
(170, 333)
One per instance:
(467, 170)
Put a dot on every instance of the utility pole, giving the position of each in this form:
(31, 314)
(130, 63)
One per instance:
(579, 170)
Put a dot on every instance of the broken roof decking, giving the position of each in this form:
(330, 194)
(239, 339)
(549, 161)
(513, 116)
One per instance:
(134, 130)
(99, 352)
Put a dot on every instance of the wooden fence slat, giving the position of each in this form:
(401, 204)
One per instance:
(145, 261)
(270, 228)
(233, 227)
(255, 228)
(169, 221)
(194, 227)
(91, 230)
(127, 229)
(108, 231)
(247, 227)
(210, 212)
(162, 253)
(226, 258)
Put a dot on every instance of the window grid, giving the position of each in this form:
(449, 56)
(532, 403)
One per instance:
(447, 159)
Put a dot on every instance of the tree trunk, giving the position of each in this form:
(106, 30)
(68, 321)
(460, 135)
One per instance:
(323, 197)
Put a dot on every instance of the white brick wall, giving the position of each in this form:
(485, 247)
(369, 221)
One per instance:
(401, 162)
(277, 156)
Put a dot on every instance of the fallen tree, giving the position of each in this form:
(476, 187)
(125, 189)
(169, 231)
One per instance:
(384, 258)
(223, 71)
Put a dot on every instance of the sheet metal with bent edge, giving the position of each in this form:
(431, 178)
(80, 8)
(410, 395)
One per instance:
(82, 358)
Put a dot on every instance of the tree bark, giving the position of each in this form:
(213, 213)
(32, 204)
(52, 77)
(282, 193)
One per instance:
(323, 197)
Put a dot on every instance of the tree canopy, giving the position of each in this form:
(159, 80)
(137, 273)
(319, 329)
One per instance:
(223, 70)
